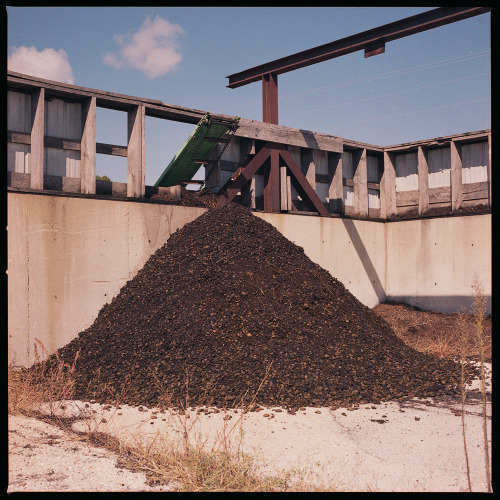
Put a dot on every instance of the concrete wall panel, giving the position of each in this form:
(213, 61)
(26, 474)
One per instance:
(432, 263)
(67, 257)
(351, 251)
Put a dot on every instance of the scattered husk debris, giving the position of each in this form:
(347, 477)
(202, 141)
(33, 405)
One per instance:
(200, 198)
(228, 310)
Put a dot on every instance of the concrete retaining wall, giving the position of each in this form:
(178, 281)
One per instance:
(432, 263)
(68, 256)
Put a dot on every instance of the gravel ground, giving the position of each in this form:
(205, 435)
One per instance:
(414, 446)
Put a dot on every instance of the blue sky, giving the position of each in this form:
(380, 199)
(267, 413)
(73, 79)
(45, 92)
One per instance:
(427, 85)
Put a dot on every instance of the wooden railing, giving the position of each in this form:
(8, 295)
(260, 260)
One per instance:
(321, 157)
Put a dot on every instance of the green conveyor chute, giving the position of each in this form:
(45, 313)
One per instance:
(198, 147)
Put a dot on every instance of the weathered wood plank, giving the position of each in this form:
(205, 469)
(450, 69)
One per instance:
(407, 198)
(88, 147)
(18, 180)
(360, 183)
(111, 188)
(439, 141)
(476, 191)
(456, 176)
(289, 136)
(283, 189)
(388, 206)
(307, 166)
(110, 100)
(348, 182)
(136, 152)
(374, 212)
(60, 143)
(111, 149)
(423, 180)
(37, 136)
(440, 195)
(57, 183)
(18, 137)
(335, 190)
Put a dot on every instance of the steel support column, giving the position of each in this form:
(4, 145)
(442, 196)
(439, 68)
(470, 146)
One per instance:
(270, 98)
(272, 202)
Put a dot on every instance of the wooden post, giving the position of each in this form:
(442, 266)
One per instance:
(423, 181)
(388, 206)
(37, 136)
(247, 148)
(88, 147)
(308, 167)
(456, 176)
(489, 170)
(335, 189)
(136, 153)
(284, 189)
(360, 183)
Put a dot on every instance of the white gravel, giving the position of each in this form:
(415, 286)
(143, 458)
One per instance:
(416, 446)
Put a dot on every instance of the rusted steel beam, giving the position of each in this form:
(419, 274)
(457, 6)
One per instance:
(371, 40)
(245, 175)
(270, 99)
(301, 185)
(272, 202)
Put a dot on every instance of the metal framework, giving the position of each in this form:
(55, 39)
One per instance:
(372, 42)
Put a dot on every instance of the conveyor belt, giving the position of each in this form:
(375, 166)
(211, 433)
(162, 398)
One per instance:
(198, 147)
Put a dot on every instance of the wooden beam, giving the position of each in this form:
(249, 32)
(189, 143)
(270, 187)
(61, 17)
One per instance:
(246, 174)
(476, 191)
(438, 141)
(308, 167)
(423, 180)
(36, 139)
(285, 195)
(360, 41)
(360, 183)
(18, 137)
(88, 147)
(62, 143)
(456, 176)
(301, 185)
(288, 136)
(136, 153)
(110, 100)
(335, 189)
(388, 207)
(111, 149)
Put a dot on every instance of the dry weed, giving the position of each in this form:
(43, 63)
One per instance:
(42, 392)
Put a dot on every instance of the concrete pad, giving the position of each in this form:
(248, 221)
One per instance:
(416, 445)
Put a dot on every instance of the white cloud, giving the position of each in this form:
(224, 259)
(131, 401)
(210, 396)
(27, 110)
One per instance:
(152, 50)
(49, 63)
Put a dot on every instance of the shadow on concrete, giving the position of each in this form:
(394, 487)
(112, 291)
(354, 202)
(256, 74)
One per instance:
(365, 259)
(440, 303)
